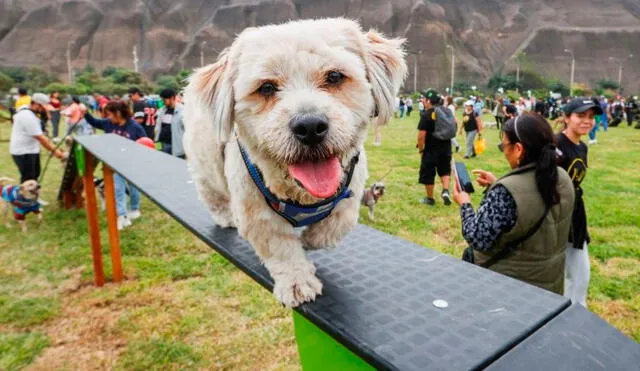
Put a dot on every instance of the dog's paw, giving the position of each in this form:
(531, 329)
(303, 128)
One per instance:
(224, 220)
(316, 239)
(295, 289)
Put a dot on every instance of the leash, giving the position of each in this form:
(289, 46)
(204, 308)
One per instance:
(70, 131)
(384, 176)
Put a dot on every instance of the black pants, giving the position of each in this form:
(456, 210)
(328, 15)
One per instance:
(28, 165)
(629, 118)
(432, 162)
(149, 129)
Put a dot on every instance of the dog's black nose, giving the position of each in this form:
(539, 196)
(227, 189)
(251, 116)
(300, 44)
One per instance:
(310, 129)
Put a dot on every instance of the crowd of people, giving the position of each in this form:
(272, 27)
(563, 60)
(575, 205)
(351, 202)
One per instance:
(531, 223)
(133, 117)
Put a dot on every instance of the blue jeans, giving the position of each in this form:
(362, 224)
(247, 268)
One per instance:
(592, 133)
(471, 137)
(605, 121)
(122, 186)
(166, 148)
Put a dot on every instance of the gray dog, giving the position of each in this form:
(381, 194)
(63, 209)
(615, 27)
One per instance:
(371, 196)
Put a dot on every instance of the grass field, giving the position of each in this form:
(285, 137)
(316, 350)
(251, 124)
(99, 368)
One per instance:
(184, 307)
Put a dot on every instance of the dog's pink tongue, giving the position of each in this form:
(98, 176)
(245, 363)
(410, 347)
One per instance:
(320, 179)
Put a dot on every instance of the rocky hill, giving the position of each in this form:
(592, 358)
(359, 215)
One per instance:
(485, 34)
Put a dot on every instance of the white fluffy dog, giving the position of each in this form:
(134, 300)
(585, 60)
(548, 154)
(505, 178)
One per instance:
(274, 134)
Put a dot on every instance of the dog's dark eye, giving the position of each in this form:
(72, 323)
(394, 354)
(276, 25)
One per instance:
(334, 78)
(267, 89)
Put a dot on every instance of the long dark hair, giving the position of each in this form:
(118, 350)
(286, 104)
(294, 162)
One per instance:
(536, 136)
(119, 106)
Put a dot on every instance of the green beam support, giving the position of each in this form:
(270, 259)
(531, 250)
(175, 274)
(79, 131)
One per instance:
(319, 351)
(79, 155)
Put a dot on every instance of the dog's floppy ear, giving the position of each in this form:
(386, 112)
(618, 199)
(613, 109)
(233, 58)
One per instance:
(212, 86)
(386, 70)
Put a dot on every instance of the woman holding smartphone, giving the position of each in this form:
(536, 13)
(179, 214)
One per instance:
(521, 225)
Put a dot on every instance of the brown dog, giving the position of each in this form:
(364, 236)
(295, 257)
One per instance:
(23, 199)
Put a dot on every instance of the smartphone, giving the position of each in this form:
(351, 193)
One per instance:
(462, 175)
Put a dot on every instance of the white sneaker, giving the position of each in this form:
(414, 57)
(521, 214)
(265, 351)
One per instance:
(123, 222)
(56, 140)
(133, 215)
(593, 141)
(43, 202)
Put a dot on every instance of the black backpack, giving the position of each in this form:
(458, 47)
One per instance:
(445, 127)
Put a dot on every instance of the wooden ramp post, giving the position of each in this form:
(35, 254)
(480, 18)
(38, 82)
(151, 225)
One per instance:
(112, 223)
(92, 218)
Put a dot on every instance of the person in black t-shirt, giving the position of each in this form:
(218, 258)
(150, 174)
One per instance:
(436, 153)
(631, 109)
(164, 136)
(579, 119)
(472, 124)
(170, 127)
(139, 105)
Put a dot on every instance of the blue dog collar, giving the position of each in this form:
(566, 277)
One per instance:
(299, 215)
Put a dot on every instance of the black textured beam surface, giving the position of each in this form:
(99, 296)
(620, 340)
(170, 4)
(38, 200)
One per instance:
(574, 340)
(378, 289)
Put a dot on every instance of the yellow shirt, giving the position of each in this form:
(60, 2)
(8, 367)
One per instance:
(24, 100)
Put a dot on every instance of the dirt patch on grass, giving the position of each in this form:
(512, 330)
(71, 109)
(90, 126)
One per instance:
(620, 314)
(85, 335)
(619, 267)
(82, 337)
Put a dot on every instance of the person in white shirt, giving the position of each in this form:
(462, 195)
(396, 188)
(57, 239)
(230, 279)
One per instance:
(26, 138)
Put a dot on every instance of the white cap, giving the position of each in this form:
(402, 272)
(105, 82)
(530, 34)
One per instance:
(469, 103)
(40, 98)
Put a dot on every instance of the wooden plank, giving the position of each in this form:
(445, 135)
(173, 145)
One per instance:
(112, 223)
(77, 189)
(67, 199)
(92, 219)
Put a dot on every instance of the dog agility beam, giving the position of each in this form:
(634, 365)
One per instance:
(388, 303)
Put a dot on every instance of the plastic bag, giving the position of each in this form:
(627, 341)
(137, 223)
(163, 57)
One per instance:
(479, 145)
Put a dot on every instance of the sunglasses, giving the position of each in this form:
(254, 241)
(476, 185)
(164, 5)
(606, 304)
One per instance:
(502, 145)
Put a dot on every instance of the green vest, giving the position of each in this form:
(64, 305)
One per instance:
(540, 259)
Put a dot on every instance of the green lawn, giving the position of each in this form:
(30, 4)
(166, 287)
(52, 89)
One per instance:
(185, 307)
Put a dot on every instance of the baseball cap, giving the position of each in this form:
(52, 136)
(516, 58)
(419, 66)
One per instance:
(40, 98)
(469, 103)
(580, 105)
(138, 115)
(432, 95)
